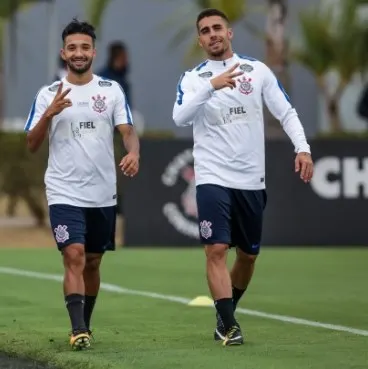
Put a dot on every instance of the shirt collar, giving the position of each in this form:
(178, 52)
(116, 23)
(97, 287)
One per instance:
(223, 63)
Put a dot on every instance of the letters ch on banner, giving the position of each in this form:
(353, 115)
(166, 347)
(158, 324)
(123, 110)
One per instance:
(341, 177)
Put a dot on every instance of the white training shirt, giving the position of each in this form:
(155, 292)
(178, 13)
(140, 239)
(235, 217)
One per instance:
(228, 126)
(81, 167)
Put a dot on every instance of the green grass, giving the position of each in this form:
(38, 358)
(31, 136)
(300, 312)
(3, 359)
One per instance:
(133, 332)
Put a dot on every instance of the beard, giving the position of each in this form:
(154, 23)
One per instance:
(80, 70)
(219, 52)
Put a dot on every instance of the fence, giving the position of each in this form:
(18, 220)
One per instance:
(160, 209)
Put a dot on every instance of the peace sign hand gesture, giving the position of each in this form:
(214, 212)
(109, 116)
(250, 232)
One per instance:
(60, 102)
(226, 79)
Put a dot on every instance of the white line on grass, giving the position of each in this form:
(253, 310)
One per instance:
(182, 300)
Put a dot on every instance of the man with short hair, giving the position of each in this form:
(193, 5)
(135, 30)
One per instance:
(222, 98)
(117, 67)
(79, 115)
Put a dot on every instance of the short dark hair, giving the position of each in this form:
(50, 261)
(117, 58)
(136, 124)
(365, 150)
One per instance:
(116, 47)
(76, 26)
(211, 12)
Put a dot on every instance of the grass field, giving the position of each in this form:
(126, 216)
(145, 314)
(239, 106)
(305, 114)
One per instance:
(135, 330)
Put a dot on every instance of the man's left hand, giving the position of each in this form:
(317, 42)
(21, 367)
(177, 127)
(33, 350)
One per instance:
(304, 165)
(130, 164)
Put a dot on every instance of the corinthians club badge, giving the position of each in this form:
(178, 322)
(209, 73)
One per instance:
(245, 86)
(99, 104)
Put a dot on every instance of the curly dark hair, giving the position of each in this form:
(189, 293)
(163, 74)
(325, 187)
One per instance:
(76, 26)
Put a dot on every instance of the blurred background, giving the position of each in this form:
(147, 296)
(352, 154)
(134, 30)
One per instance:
(318, 49)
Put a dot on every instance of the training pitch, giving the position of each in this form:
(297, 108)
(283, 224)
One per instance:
(306, 308)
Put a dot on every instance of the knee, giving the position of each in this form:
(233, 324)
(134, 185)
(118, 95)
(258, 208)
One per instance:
(216, 253)
(93, 263)
(74, 257)
(246, 259)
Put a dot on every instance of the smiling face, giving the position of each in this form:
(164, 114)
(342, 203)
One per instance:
(78, 52)
(215, 37)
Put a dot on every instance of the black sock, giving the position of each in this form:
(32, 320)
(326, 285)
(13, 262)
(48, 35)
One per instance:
(225, 309)
(88, 309)
(237, 294)
(75, 306)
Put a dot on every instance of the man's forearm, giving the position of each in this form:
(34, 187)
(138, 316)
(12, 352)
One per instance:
(186, 108)
(294, 129)
(131, 141)
(36, 136)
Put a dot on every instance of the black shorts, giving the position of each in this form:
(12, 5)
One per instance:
(92, 227)
(231, 216)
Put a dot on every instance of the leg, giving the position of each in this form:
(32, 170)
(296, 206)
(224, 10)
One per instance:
(248, 218)
(91, 276)
(68, 226)
(100, 237)
(74, 262)
(219, 283)
(214, 207)
(241, 274)
(218, 277)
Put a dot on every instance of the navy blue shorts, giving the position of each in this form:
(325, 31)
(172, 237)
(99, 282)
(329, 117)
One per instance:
(92, 227)
(230, 216)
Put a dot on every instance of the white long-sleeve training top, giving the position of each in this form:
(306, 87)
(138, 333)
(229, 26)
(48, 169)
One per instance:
(228, 124)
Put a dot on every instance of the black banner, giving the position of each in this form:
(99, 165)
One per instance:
(160, 208)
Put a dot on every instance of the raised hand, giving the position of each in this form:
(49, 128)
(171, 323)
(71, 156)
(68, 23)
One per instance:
(226, 79)
(60, 102)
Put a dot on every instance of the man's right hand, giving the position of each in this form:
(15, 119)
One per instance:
(60, 102)
(226, 79)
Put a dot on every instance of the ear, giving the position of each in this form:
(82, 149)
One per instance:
(199, 42)
(230, 33)
(62, 54)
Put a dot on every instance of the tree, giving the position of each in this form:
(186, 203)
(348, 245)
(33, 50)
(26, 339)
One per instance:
(334, 39)
(8, 11)
(15, 183)
(95, 10)
(276, 40)
(277, 55)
